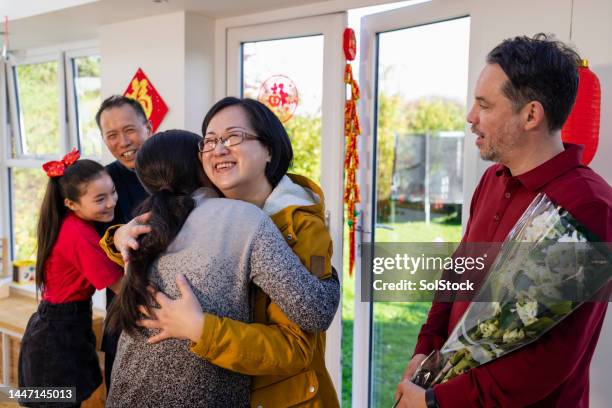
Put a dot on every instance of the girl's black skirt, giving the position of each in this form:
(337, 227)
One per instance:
(58, 349)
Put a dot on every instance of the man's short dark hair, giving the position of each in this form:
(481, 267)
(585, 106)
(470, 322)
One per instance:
(117, 101)
(539, 69)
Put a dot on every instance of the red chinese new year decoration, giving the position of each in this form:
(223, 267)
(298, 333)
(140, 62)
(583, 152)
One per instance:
(280, 94)
(582, 125)
(349, 44)
(351, 158)
(143, 91)
(56, 168)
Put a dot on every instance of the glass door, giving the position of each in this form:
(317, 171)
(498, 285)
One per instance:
(415, 63)
(296, 68)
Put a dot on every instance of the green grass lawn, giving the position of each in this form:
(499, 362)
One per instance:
(395, 325)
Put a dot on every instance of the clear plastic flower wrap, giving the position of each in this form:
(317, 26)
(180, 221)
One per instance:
(547, 266)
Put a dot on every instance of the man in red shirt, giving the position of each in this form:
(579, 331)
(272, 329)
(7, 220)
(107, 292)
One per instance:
(522, 98)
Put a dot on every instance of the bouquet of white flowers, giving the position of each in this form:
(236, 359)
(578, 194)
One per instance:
(547, 266)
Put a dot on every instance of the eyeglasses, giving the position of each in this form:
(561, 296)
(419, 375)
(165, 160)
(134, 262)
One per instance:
(233, 138)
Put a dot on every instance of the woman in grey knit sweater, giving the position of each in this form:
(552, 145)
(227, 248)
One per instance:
(221, 246)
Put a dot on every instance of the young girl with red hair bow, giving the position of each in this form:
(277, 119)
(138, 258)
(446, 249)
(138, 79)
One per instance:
(58, 348)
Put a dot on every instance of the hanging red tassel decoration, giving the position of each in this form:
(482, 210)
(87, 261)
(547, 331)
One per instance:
(582, 125)
(351, 158)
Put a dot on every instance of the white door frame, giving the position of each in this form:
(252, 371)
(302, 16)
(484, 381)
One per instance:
(332, 130)
(4, 155)
(410, 16)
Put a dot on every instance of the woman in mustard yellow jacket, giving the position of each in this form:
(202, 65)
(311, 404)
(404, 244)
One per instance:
(245, 154)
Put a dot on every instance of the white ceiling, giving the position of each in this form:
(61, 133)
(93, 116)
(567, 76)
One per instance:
(35, 23)
(25, 8)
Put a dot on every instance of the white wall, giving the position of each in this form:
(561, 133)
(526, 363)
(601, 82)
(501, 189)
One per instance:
(157, 46)
(199, 57)
(175, 51)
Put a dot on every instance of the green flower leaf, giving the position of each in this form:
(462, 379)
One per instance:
(561, 308)
(540, 325)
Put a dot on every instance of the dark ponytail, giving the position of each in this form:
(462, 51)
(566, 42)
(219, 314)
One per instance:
(169, 168)
(53, 211)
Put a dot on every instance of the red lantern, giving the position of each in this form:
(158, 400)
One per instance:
(349, 44)
(582, 125)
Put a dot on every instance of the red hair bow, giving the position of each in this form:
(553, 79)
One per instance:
(56, 168)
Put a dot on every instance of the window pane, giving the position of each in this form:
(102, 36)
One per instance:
(419, 167)
(27, 191)
(87, 85)
(287, 75)
(38, 96)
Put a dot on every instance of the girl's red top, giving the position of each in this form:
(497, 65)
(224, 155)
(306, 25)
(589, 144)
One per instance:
(77, 265)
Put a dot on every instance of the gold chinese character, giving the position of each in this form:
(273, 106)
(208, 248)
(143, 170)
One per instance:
(140, 92)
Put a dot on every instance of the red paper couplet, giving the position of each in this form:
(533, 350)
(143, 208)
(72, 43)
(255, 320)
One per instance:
(141, 89)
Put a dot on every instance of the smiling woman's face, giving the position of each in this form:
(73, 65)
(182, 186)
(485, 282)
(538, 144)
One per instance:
(238, 171)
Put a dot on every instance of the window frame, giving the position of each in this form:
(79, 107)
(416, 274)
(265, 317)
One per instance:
(16, 136)
(371, 26)
(4, 153)
(72, 99)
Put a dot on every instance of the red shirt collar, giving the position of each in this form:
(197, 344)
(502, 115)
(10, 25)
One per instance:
(541, 175)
